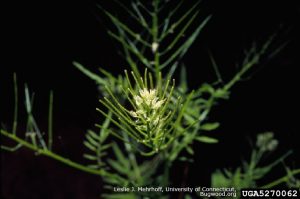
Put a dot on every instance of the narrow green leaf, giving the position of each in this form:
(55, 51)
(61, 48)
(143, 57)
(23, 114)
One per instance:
(104, 129)
(120, 156)
(90, 74)
(132, 14)
(28, 102)
(125, 129)
(112, 181)
(183, 49)
(91, 140)
(206, 139)
(102, 154)
(119, 167)
(119, 111)
(184, 107)
(105, 147)
(129, 45)
(141, 17)
(206, 88)
(94, 166)
(107, 74)
(177, 23)
(190, 150)
(180, 34)
(89, 157)
(210, 126)
(89, 146)
(216, 69)
(93, 135)
(124, 27)
(185, 159)
(172, 70)
(31, 123)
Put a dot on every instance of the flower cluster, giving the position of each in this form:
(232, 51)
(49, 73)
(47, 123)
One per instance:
(150, 120)
(147, 114)
(266, 141)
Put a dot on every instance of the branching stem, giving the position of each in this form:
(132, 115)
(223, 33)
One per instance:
(281, 180)
(55, 156)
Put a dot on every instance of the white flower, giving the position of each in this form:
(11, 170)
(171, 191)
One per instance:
(154, 47)
(148, 112)
(141, 113)
(152, 93)
(149, 98)
(158, 104)
(133, 114)
(155, 122)
(148, 94)
(138, 100)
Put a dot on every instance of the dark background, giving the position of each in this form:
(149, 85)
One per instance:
(41, 39)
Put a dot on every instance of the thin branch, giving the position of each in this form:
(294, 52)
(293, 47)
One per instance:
(183, 49)
(131, 47)
(31, 121)
(50, 121)
(124, 27)
(216, 69)
(281, 180)
(175, 25)
(90, 74)
(15, 121)
(181, 33)
(11, 149)
(50, 154)
(132, 14)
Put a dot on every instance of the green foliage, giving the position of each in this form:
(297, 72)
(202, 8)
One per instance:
(248, 175)
(96, 144)
(154, 120)
(149, 121)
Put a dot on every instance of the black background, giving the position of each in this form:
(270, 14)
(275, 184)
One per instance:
(41, 39)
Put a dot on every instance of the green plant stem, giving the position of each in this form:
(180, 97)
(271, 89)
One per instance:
(189, 139)
(281, 180)
(254, 60)
(55, 156)
(166, 173)
(132, 159)
(50, 121)
(239, 75)
(155, 38)
(14, 128)
(255, 158)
